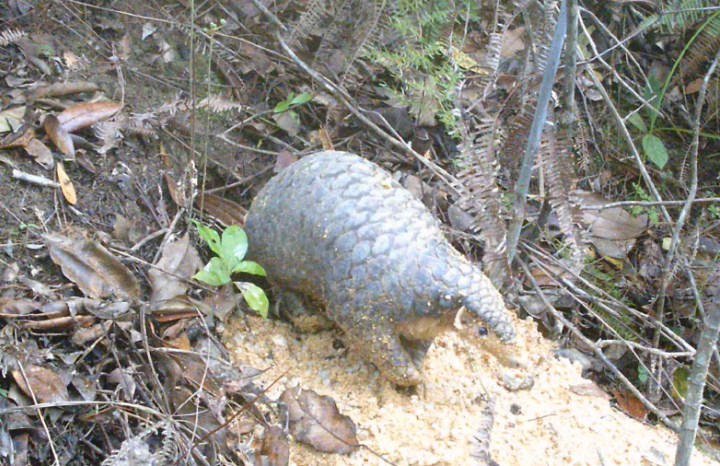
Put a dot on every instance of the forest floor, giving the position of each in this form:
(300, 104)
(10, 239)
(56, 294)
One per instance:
(549, 412)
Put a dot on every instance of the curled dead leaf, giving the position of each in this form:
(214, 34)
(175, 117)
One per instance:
(92, 268)
(316, 421)
(179, 262)
(85, 114)
(59, 136)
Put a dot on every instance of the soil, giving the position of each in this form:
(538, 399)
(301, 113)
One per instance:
(547, 424)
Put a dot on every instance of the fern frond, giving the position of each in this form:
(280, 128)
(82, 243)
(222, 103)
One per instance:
(10, 36)
(687, 13)
(480, 194)
(562, 186)
(701, 50)
(218, 103)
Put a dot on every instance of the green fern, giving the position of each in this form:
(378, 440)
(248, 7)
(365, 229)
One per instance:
(688, 12)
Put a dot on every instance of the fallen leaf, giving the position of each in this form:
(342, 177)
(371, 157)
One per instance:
(178, 263)
(630, 404)
(11, 119)
(10, 307)
(85, 114)
(275, 450)
(42, 154)
(224, 210)
(316, 421)
(61, 89)
(92, 268)
(612, 231)
(43, 383)
(512, 42)
(66, 185)
(59, 136)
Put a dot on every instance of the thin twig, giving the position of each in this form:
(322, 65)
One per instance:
(702, 200)
(342, 96)
(523, 184)
(709, 334)
(589, 344)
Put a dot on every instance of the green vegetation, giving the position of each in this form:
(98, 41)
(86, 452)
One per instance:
(422, 64)
(231, 250)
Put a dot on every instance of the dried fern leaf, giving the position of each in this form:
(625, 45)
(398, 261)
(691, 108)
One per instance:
(701, 51)
(10, 36)
(480, 194)
(562, 186)
(218, 103)
(481, 440)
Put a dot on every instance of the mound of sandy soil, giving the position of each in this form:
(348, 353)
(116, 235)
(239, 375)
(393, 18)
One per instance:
(547, 424)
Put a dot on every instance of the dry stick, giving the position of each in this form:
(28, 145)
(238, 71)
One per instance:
(523, 184)
(669, 262)
(579, 335)
(638, 160)
(605, 324)
(341, 95)
(701, 200)
(709, 334)
(669, 334)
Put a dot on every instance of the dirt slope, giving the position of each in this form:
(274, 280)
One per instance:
(548, 424)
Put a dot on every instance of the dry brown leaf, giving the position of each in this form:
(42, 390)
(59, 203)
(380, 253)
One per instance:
(41, 153)
(612, 231)
(19, 138)
(316, 421)
(179, 262)
(92, 268)
(44, 384)
(694, 86)
(85, 114)
(224, 210)
(59, 136)
(10, 307)
(275, 450)
(66, 186)
(630, 404)
(60, 89)
(512, 42)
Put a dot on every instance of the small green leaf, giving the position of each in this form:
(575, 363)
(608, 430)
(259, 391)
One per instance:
(281, 107)
(655, 150)
(680, 381)
(301, 99)
(642, 374)
(255, 297)
(637, 121)
(250, 267)
(211, 237)
(214, 273)
(234, 245)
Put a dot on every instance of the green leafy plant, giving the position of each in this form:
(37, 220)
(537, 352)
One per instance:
(641, 194)
(292, 100)
(425, 77)
(231, 249)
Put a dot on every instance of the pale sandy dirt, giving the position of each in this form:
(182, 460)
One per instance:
(548, 424)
